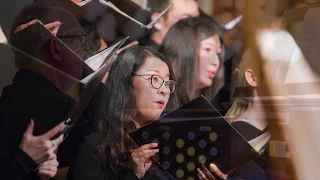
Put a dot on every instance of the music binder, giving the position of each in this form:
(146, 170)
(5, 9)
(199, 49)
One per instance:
(194, 135)
(97, 60)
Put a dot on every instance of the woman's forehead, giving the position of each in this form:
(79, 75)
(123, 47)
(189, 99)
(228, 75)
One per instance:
(154, 64)
(214, 39)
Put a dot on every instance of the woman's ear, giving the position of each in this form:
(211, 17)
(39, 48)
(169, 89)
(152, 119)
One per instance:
(158, 24)
(55, 50)
(251, 78)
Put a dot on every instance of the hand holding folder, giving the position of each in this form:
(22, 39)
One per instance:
(40, 148)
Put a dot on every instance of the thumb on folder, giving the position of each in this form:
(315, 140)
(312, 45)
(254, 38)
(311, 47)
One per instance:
(204, 173)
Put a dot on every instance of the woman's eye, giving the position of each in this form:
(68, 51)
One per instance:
(156, 79)
(207, 50)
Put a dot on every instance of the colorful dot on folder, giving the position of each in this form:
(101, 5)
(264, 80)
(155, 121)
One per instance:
(202, 143)
(191, 151)
(179, 173)
(166, 150)
(191, 136)
(213, 136)
(180, 143)
(202, 159)
(191, 166)
(166, 135)
(166, 165)
(213, 151)
(180, 158)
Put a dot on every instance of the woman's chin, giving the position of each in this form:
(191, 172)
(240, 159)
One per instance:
(205, 84)
(156, 114)
(151, 115)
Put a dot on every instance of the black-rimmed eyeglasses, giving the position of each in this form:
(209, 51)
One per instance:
(157, 81)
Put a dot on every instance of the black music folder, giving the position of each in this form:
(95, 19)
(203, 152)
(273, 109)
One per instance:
(194, 135)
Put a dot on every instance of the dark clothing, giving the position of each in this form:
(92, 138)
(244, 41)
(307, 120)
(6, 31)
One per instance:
(17, 166)
(85, 166)
(252, 170)
(7, 67)
(30, 96)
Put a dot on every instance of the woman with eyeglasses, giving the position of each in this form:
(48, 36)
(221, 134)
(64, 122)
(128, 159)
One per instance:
(193, 47)
(140, 87)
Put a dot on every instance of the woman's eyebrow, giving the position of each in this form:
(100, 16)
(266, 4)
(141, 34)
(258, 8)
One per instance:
(153, 70)
(167, 75)
(209, 44)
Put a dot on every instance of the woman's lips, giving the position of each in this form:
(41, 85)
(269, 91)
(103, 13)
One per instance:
(160, 103)
(211, 74)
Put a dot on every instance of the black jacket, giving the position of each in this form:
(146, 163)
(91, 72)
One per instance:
(85, 166)
(254, 169)
(31, 96)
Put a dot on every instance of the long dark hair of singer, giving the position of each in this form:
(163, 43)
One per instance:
(118, 106)
(180, 46)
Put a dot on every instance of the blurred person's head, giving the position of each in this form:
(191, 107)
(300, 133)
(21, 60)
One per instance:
(180, 9)
(193, 47)
(94, 40)
(248, 78)
(281, 60)
(136, 93)
(50, 50)
(93, 37)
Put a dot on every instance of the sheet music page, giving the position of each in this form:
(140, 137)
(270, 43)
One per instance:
(96, 61)
(233, 23)
(259, 142)
(82, 3)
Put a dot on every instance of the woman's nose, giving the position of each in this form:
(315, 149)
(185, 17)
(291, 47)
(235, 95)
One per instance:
(164, 90)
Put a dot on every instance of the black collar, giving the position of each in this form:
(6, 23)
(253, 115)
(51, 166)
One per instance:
(27, 80)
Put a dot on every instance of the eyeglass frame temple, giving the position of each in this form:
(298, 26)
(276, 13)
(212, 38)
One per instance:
(163, 81)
